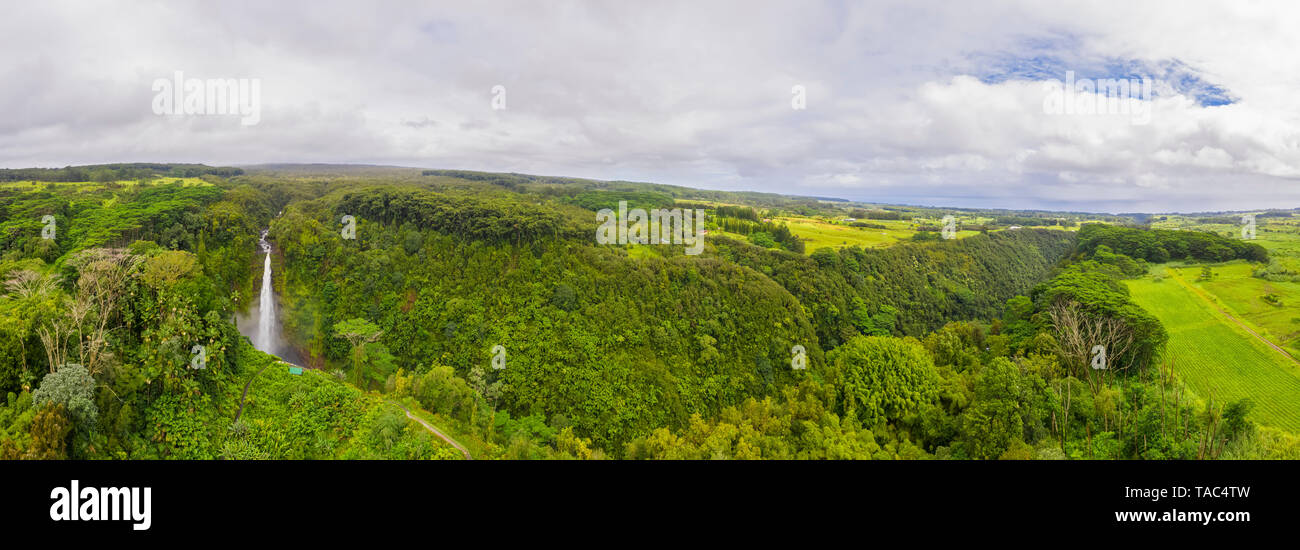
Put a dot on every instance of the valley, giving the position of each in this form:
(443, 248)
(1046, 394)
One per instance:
(404, 292)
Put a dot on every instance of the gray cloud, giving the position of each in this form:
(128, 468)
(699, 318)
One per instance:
(688, 93)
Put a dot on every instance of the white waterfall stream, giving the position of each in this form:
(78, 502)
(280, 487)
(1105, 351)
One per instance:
(266, 322)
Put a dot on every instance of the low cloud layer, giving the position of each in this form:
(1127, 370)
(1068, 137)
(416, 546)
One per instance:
(935, 103)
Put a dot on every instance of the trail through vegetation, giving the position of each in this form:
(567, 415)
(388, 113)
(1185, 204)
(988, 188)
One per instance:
(435, 431)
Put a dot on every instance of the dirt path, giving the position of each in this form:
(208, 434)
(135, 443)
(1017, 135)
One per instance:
(249, 384)
(435, 431)
(1173, 273)
(426, 425)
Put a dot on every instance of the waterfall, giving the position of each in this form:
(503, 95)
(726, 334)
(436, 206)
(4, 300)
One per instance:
(266, 307)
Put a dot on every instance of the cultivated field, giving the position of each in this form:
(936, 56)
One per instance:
(1215, 355)
(1248, 298)
(821, 233)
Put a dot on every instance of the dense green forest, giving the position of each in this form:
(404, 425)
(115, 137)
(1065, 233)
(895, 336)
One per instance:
(484, 302)
(114, 172)
(1162, 245)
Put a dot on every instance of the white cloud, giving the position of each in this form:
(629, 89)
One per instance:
(687, 93)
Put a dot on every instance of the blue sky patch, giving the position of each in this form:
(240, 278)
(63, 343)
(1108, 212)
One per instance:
(1042, 59)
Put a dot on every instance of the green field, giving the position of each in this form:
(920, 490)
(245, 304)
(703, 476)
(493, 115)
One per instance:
(821, 234)
(1214, 355)
(1242, 295)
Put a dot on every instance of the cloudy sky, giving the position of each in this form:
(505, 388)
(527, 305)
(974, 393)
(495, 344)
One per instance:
(937, 103)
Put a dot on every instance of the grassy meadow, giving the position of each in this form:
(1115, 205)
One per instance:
(823, 232)
(1215, 325)
(1215, 356)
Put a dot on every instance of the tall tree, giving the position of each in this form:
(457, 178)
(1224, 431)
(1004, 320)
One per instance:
(358, 333)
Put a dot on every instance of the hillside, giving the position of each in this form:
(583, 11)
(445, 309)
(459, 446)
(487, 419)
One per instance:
(488, 306)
